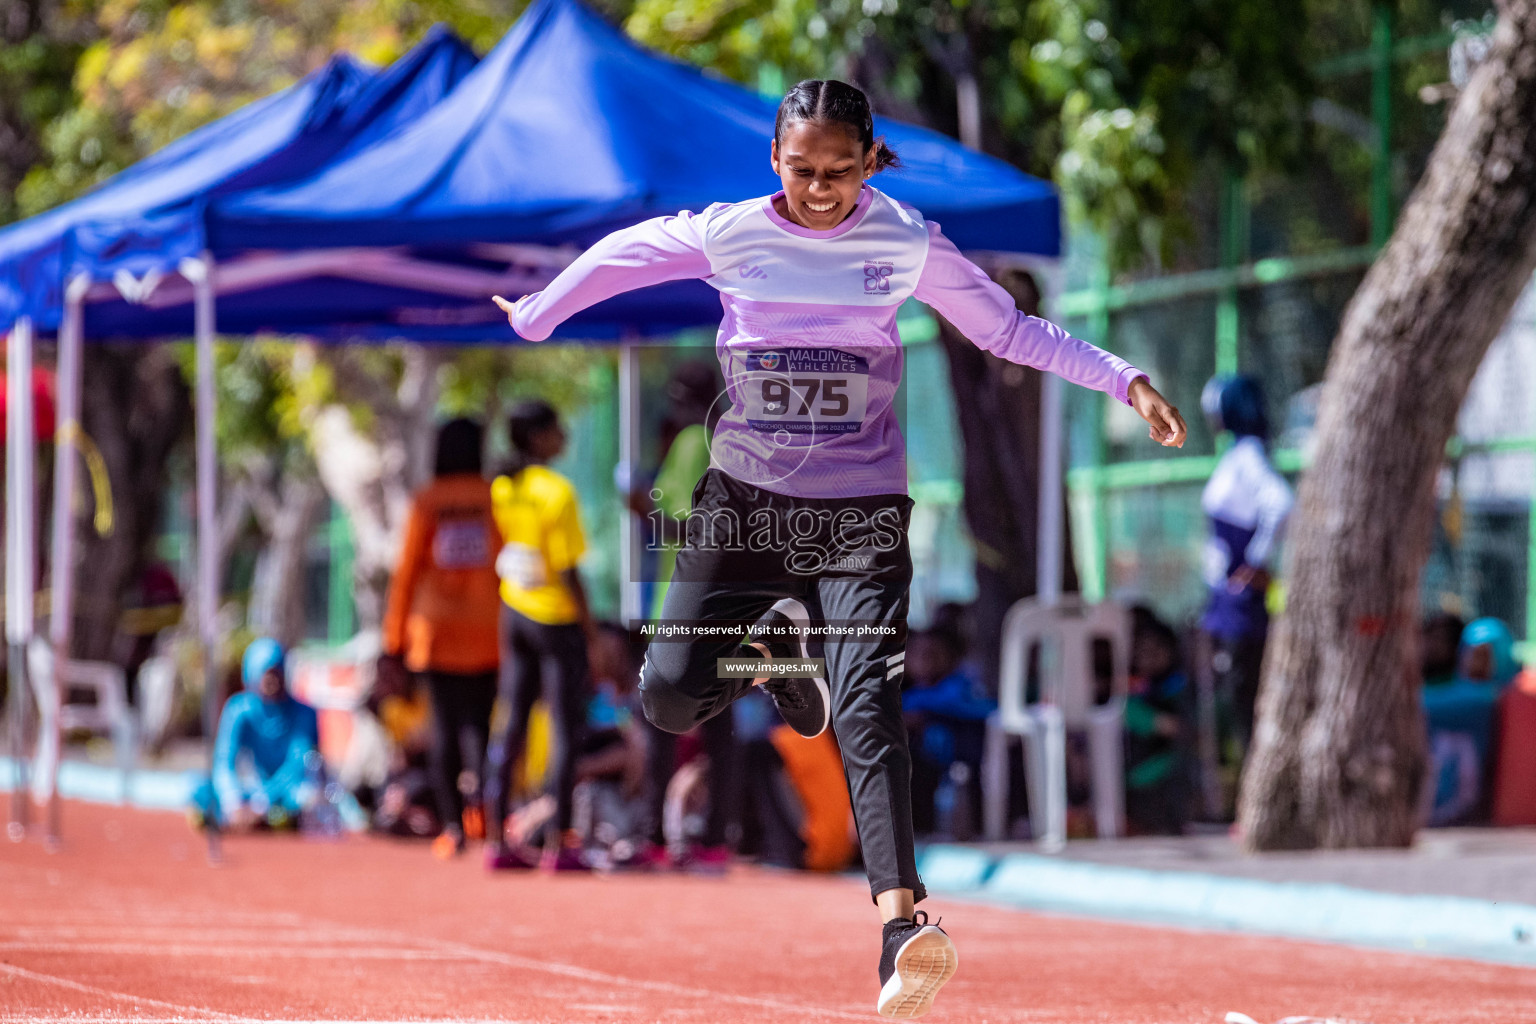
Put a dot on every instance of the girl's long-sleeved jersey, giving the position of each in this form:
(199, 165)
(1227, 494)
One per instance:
(808, 345)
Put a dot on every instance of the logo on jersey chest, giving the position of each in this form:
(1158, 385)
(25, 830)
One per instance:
(877, 277)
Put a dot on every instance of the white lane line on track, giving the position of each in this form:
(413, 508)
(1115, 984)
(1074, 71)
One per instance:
(50, 979)
(96, 1018)
(291, 952)
(587, 974)
(435, 949)
(174, 934)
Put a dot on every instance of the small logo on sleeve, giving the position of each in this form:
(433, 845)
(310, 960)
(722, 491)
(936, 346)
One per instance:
(877, 277)
(752, 272)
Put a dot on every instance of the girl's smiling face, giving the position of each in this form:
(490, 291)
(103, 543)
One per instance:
(823, 167)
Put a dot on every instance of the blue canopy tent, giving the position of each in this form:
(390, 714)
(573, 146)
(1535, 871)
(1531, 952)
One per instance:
(565, 131)
(131, 231)
(143, 219)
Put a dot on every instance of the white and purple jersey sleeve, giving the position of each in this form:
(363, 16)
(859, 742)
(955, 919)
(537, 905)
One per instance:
(808, 344)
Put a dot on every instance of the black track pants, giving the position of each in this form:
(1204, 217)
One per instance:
(538, 660)
(459, 704)
(852, 573)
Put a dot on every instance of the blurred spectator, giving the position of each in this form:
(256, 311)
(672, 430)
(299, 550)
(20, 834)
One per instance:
(151, 606)
(266, 752)
(1460, 717)
(1159, 715)
(441, 619)
(1439, 645)
(387, 761)
(546, 628)
(610, 773)
(946, 717)
(1246, 503)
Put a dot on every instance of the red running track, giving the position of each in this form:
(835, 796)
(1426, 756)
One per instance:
(128, 924)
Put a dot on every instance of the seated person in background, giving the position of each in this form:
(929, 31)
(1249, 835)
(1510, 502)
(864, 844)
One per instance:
(611, 766)
(1158, 716)
(265, 752)
(946, 717)
(1460, 717)
(387, 761)
(1439, 644)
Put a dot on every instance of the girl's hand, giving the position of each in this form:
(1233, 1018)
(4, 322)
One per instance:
(1167, 426)
(509, 308)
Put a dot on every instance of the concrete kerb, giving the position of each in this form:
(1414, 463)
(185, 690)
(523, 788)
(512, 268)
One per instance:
(149, 790)
(1441, 925)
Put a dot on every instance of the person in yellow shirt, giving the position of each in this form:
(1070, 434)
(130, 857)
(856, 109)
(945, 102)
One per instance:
(545, 629)
(441, 617)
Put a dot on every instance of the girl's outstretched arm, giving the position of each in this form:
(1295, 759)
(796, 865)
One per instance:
(652, 252)
(985, 313)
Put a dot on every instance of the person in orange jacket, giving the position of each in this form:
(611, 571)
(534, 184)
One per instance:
(441, 618)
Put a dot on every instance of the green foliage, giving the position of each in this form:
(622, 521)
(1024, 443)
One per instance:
(1125, 103)
(756, 41)
(158, 70)
(40, 44)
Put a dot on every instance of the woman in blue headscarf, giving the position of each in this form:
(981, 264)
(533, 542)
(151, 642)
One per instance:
(263, 750)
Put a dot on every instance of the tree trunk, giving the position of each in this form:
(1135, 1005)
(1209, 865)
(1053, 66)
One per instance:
(136, 409)
(372, 473)
(277, 591)
(998, 405)
(1338, 757)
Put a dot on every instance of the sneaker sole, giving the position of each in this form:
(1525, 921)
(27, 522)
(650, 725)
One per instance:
(795, 612)
(925, 962)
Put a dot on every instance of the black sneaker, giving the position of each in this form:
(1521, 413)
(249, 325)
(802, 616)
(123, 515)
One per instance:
(804, 702)
(918, 958)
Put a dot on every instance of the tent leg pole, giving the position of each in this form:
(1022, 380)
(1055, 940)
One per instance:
(20, 563)
(630, 586)
(200, 272)
(1049, 537)
(61, 606)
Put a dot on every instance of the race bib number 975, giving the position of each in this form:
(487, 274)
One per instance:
(806, 391)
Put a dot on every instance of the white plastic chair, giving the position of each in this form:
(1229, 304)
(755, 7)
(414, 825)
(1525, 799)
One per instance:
(157, 697)
(1064, 633)
(110, 713)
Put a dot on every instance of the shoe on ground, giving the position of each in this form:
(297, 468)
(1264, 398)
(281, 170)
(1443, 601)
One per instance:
(805, 703)
(566, 855)
(474, 823)
(705, 860)
(646, 856)
(448, 845)
(916, 961)
(508, 858)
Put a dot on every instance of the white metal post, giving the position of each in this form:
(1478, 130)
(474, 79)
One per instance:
(20, 554)
(200, 273)
(1049, 538)
(61, 604)
(630, 588)
(65, 463)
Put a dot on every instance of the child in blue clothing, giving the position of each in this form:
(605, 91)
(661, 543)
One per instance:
(1460, 717)
(946, 715)
(266, 742)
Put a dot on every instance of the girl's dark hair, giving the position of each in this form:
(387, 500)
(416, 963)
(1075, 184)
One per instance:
(528, 418)
(459, 445)
(826, 101)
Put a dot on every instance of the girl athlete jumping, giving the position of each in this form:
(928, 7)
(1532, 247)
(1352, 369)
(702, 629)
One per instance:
(802, 516)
